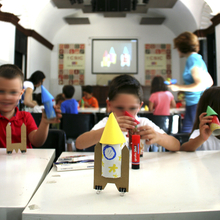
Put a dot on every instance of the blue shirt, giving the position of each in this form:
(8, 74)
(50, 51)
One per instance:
(69, 106)
(194, 60)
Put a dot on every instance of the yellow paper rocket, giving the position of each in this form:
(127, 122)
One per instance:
(112, 144)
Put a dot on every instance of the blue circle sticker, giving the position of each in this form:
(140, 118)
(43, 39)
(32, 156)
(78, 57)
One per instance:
(109, 152)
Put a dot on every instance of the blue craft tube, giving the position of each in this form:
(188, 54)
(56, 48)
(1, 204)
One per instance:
(49, 109)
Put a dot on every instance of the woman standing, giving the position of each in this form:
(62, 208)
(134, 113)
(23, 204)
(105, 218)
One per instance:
(35, 80)
(196, 77)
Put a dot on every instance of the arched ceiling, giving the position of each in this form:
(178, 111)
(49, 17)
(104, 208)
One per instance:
(47, 19)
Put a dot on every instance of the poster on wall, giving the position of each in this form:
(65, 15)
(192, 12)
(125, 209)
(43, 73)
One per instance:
(71, 64)
(157, 61)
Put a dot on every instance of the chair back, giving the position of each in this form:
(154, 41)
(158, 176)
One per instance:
(100, 116)
(162, 121)
(169, 123)
(55, 140)
(77, 124)
(37, 117)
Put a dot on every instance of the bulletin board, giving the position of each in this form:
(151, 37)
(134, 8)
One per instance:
(157, 61)
(71, 64)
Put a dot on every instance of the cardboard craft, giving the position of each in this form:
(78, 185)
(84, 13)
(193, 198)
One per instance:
(112, 136)
(214, 125)
(121, 183)
(16, 146)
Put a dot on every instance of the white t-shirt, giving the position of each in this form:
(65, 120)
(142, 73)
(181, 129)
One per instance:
(213, 143)
(143, 121)
(28, 84)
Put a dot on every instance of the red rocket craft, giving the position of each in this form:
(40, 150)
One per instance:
(128, 114)
(214, 125)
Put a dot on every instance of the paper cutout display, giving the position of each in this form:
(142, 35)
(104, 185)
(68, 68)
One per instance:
(214, 125)
(48, 101)
(16, 146)
(111, 158)
(170, 81)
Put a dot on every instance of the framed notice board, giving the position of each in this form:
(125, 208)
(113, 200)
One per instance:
(71, 64)
(157, 61)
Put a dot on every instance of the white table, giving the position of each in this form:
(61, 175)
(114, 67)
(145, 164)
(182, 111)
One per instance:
(172, 110)
(88, 110)
(21, 175)
(168, 186)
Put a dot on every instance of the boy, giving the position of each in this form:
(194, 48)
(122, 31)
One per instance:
(70, 105)
(89, 100)
(125, 94)
(11, 84)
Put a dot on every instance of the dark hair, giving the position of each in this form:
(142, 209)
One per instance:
(158, 85)
(10, 71)
(125, 84)
(68, 91)
(88, 89)
(209, 97)
(59, 97)
(186, 42)
(37, 77)
(38, 98)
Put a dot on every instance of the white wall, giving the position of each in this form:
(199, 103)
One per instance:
(111, 28)
(7, 42)
(217, 38)
(39, 58)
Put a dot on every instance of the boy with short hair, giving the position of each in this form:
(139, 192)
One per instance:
(125, 94)
(11, 90)
(70, 105)
(89, 100)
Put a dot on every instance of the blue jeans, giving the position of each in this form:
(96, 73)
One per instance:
(189, 118)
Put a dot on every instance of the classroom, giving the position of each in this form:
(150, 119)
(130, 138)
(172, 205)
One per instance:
(35, 35)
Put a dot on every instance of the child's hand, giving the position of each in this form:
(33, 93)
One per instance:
(126, 123)
(86, 104)
(149, 134)
(204, 128)
(52, 120)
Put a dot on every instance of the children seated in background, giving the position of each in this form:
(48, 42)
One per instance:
(201, 137)
(70, 105)
(39, 107)
(11, 90)
(89, 100)
(125, 94)
(59, 99)
(160, 99)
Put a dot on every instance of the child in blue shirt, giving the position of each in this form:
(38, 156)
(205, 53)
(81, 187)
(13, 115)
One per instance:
(70, 105)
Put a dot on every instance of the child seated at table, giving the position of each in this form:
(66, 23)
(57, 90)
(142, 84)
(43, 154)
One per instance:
(89, 101)
(59, 99)
(161, 100)
(125, 94)
(201, 138)
(70, 105)
(11, 90)
(39, 107)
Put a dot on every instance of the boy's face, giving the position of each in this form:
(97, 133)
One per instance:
(124, 102)
(10, 93)
(87, 95)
